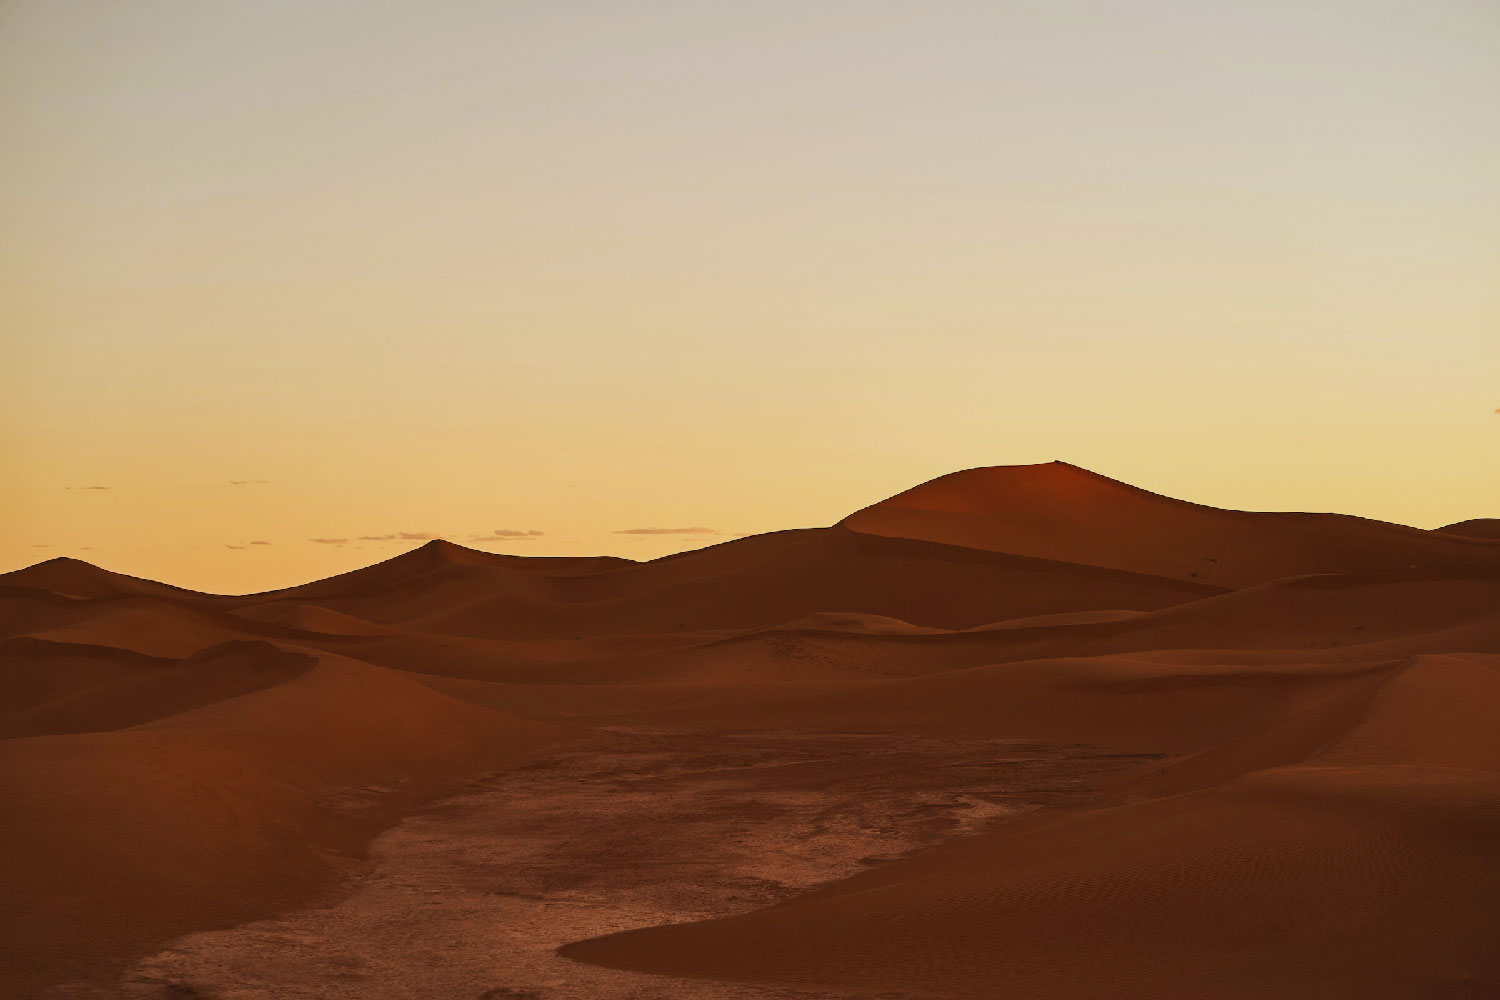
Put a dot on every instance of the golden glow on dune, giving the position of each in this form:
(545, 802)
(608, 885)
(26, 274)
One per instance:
(282, 272)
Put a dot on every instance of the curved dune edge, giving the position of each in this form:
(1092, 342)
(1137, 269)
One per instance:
(1059, 511)
(1352, 839)
(224, 813)
(80, 688)
(1487, 528)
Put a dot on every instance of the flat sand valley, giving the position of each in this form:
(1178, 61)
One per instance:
(472, 896)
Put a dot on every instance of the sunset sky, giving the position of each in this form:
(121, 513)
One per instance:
(537, 275)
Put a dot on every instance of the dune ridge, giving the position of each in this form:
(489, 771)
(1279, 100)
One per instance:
(1059, 511)
(1479, 527)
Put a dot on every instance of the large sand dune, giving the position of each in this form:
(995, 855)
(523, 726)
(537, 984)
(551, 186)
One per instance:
(1479, 527)
(1016, 733)
(1059, 511)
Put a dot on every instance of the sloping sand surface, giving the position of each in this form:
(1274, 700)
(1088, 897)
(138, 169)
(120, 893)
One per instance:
(113, 689)
(741, 584)
(1386, 834)
(1479, 527)
(76, 578)
(155, 626)
(311, 618)
(1059, 511)
(230, 811)
(1277, 885)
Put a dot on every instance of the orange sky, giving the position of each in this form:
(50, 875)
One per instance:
(286, 271)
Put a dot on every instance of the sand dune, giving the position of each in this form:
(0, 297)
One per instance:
(1275, 885)
(311, 618)
(1479, 527)
(444, 588)
(88, 689)
(1336, 618)
(156, 626)
(228, 811)
(76, 578)
(1059, 511)
(1382, 832)
(1262, 752)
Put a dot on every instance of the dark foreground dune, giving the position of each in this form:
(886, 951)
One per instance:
(1016, 733)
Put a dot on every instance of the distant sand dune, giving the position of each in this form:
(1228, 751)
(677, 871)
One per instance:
(740, 584)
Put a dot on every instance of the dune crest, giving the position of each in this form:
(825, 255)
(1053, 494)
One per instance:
(1479, 527)
(1059, 511)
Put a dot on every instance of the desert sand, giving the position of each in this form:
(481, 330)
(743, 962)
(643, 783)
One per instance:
(1017, 733)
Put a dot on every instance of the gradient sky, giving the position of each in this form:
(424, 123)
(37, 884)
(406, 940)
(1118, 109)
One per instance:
(285, 270)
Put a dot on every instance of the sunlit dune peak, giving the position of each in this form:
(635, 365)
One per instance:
(990, 489)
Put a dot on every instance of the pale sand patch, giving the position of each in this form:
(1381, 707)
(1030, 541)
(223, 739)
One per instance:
(471, 897)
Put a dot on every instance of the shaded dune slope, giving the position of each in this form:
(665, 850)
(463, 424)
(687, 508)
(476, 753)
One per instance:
(1348, 618)
(1381, 829)
(224, 813)
(444, 588)
(1059, 511)
(68, 688)
(1480, 527)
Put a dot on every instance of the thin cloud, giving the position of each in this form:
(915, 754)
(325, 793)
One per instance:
(41, 545)
(249, 482)
(90, 487)
(401, 536)
(234, 546)
(507, 535)
(329, 541)
(260, 543)
(668, 531)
